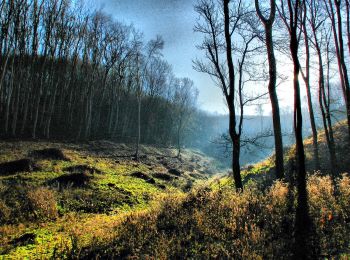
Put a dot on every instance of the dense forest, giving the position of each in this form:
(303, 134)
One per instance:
(71, 74)
(75, 75)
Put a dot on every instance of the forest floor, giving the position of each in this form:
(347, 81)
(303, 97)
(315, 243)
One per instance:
(62, 200)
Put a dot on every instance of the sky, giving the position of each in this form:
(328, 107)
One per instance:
(174, 21)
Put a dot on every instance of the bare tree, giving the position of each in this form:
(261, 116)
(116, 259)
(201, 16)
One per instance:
(185, 98)
(152, 50)
(291, 16)
(335, 17)
(224, 26)
(268, 23)
(321, 35)
(306, 78)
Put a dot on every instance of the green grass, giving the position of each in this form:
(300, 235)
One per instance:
(59, 216)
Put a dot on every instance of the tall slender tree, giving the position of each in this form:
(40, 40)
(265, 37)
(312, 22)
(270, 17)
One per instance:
(320, 36)
(224, 26)
(291, 17)
(268, 23)
(306, 78)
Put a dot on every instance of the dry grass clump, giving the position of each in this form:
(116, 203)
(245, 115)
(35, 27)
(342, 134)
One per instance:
(43, 203)
(224, 224)
(329, 207)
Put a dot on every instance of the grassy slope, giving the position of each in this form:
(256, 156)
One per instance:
(213, 221)
(264, 171)
(210, 221)
(31, 203)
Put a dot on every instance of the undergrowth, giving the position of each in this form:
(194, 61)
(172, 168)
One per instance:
(220, 223)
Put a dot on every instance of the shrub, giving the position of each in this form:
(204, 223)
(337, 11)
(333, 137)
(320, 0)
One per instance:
(23, 165)
(43, 203)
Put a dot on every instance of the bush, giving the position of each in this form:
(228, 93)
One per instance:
(15, 204)
(43, 203)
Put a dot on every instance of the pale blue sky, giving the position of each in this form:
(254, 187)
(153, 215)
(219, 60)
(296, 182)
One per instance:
(174, 21)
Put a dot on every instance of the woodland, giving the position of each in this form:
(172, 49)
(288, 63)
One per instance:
(105, 153)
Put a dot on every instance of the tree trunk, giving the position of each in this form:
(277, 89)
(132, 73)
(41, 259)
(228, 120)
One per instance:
(37, 106)
(51, 111)
(230, 101)
(306, 78)
(302, 221)
(179, 137)
(25, 112)
(138, 128)
(272, 86)
(236, 168)
(116, 123)
(15, 110)
(9, 96)
(327, 102)
(274, 103)
(347, 2)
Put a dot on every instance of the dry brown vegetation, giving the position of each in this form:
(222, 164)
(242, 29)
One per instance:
(216, 222)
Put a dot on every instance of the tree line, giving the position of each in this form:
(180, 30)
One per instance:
(67, 72)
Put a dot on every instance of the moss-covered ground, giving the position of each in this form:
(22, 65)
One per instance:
(47, 210)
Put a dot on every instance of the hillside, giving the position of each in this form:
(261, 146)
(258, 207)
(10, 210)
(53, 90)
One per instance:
(52, 191)
(90, 200)
(263, 172)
